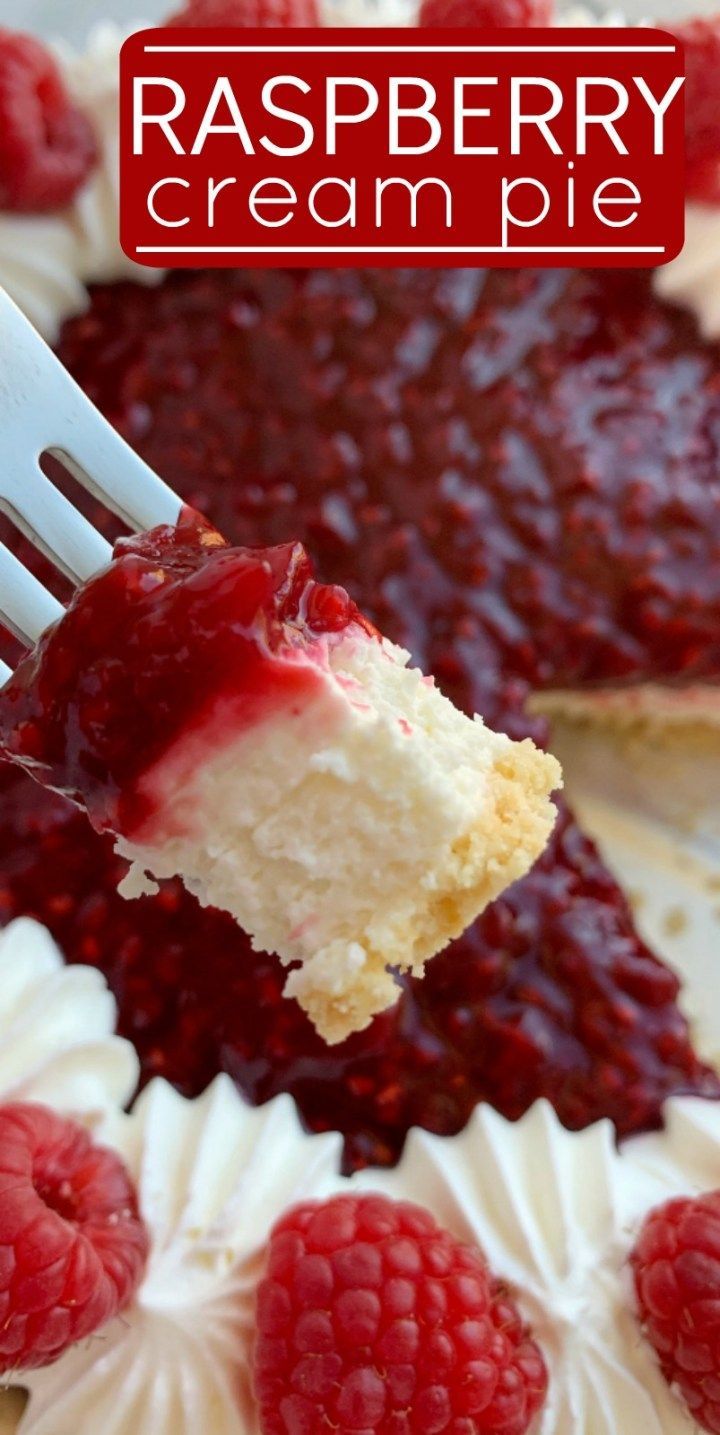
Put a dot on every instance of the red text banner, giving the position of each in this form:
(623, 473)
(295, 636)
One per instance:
(397, 147)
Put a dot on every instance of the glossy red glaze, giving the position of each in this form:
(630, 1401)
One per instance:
(516, 475)
(180, 635)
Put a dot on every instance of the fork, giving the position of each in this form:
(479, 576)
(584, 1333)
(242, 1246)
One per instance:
(43, 411)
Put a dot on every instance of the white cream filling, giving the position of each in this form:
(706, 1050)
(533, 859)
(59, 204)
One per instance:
(360, 833)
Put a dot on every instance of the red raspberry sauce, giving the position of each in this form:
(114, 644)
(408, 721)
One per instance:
(516, 475)
(180, 633)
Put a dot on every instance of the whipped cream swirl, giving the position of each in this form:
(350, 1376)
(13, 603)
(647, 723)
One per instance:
(57, 1024)
(684, 1158)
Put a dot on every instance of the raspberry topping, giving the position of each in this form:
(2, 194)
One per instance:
(372, 1320)
(490, 14)
(72, 1244)
(179, 630)
(701, 39)
(47, 145)
(262, 14)
(515, 473)
(676, 1268)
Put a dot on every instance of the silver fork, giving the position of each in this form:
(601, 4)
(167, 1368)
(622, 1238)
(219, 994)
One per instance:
(42, 411)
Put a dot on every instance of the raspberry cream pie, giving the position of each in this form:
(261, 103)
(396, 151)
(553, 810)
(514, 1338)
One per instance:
(234, 722)
(514, 474)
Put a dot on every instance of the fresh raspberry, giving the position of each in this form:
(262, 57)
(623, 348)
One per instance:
(489, 14)
(247, 14)
(701, 39)
(372, 1320)
(72, 1244)
(47, 145)
(676, 1267)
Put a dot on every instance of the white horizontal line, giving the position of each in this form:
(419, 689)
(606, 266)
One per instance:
(400, 249)
(411, 49)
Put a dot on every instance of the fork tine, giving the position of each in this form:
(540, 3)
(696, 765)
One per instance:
(43, 410)
(26, 608)
(63, 421)
(112, 472)
(51, 522)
